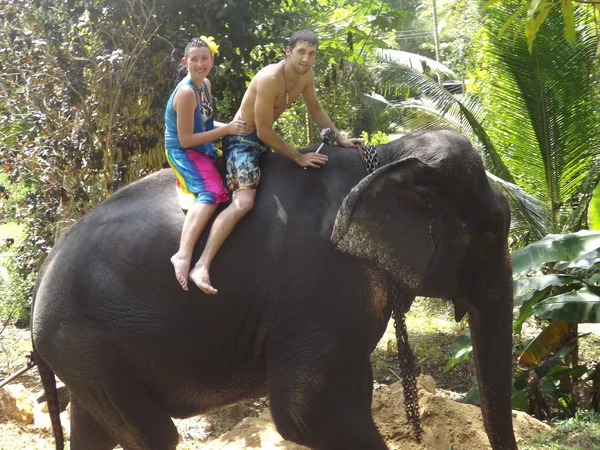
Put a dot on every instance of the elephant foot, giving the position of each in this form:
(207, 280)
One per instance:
(199, 275)
(182, 269)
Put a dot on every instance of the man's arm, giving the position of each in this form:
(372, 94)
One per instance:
(266, 92)
(320, 117)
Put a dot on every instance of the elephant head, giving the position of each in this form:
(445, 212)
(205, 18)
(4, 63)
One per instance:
(430, 219)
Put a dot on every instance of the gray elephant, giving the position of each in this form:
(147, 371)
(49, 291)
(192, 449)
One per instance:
(303, 286)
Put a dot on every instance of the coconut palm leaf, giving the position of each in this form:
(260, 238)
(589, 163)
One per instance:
(389, 77)
(440, 109)
(531, 212)
(545, 111)
(588, 191)
(416, 62)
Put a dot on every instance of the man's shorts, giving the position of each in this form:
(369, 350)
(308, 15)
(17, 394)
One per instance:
(241, 154)
(198, 180)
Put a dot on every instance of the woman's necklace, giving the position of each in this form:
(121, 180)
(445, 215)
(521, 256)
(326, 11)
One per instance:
(287, 92)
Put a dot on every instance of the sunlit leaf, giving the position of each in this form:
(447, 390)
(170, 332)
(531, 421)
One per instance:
(569, 19)
(490, 3)
(539, 347)
(547, 149)
(594, 209)
(460, 351)
(511, 19)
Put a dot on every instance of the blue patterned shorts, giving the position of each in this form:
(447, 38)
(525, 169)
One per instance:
(241, 154)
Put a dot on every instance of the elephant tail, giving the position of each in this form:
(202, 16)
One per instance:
(49, 383)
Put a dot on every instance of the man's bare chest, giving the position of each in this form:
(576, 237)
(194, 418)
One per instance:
(285, 99)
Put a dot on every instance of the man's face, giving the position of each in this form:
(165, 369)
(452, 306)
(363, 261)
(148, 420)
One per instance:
(302, 57)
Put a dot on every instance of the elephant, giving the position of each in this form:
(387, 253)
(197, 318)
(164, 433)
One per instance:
(304, 297)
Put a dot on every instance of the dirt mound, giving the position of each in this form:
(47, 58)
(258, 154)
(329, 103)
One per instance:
(445, 423)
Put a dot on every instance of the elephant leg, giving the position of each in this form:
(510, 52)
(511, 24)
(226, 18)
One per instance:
(120, 403)
(86, 432)
(321, 408)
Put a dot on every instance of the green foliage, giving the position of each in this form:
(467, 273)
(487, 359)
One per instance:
(376, 138)
(537, 12)
(15, 292)
(460, 351)
(594, 209)
(562, 285)
(581, 432)
(546, 126)
(553, 248)
(534, 116)
(567, 294)
(79, 114)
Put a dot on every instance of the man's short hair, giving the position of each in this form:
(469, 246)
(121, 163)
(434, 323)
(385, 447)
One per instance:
(303, 36)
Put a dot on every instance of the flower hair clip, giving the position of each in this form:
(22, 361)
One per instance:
(211, 44)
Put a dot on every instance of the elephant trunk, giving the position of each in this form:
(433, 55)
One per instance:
(490, 320)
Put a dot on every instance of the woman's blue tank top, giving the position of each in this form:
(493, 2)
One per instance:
(203, 120)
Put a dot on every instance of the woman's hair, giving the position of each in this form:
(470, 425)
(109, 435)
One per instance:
(194, 43)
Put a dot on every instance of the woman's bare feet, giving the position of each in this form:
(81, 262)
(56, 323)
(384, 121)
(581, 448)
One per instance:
(199, 275)
(182, 269)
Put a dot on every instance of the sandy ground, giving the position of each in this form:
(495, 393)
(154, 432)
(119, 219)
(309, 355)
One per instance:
(446, 424)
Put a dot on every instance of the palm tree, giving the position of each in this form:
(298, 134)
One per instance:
(435, 107)
(541, 128)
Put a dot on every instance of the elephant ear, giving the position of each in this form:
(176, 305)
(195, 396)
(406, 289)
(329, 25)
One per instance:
(388, 218)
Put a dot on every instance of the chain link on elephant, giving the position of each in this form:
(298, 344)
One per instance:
(407, 364)
(371, 160)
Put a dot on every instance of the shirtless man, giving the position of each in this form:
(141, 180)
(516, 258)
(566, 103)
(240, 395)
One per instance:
(274, 89)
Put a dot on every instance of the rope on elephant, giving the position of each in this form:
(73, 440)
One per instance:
(406, 358)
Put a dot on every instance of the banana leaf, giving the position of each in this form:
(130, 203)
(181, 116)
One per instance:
(542, 344)
(582, 306)
(554, 247)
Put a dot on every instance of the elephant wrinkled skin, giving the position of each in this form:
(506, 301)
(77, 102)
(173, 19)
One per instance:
(302, 301)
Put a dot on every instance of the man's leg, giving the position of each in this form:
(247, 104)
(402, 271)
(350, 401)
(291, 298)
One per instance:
(195, 221)
(242, 202)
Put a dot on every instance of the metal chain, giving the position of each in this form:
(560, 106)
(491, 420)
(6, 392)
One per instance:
(371, 160)
(406, 358)
(407, 363)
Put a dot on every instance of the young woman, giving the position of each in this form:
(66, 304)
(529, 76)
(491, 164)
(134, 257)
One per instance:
(189, 133)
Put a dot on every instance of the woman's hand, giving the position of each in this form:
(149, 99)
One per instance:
(238, 127)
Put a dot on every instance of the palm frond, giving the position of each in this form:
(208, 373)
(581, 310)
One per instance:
(529, 210)
(389, 77)
(544, 109)
(417, 62)
(375, 103)
(578, 215)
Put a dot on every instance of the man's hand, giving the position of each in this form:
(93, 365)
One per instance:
(312, 160)
(353, 142)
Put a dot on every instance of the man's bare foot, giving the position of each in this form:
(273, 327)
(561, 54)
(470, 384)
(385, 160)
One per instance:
(182, 269)
(199, 275)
